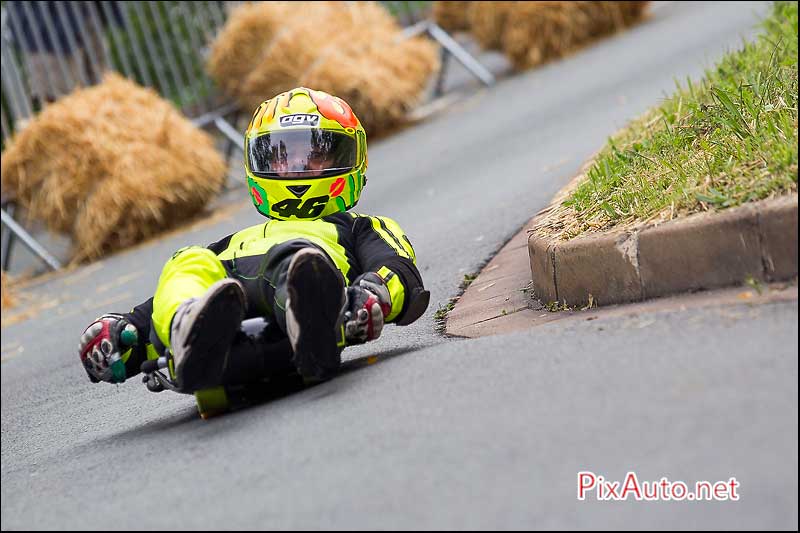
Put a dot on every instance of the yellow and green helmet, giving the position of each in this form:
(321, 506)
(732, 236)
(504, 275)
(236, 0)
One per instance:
(305, 154)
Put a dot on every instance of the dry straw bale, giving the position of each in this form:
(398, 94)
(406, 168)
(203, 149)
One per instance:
(452, 16)
(151, 188)
(75, 146)
(51, 164)
(288, 56)
(357, 19)
(294, 37)
(382, 82)
(488, 21)
(305, 41)
(8, 298)
(349, 49)
(631, 12)
(242, 41)
(542, 31)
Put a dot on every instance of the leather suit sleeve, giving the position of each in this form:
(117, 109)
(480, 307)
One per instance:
(140, 318)
(382, 247)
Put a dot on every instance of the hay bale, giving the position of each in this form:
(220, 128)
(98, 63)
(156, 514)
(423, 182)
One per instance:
(288, 56)
(345, 48)
(543, 31)
(291, 41)
(632, 12)
(366, 17)
(8, 298)
(488, 21)
(51, 164)
(452, 16)
(75, 145)
(242, 41)
(382, 82)
(150, 189)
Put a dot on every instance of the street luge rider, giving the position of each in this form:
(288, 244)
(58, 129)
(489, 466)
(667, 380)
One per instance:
(322, 276)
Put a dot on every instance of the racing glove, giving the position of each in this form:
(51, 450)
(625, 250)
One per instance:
(102, 346)
(368, 304)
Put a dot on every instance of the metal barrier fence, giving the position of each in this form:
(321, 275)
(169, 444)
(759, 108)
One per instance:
(408, 12)
(49, 48)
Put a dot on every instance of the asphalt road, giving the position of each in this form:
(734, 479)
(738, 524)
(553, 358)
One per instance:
(440, 433)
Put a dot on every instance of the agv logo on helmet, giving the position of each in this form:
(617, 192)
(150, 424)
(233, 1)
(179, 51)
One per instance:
(300, 119)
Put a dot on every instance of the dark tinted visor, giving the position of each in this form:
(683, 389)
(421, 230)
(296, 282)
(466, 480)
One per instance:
(301, 153)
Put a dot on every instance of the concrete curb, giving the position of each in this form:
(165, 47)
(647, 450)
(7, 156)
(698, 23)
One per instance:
(703, 251)
(499, 291)
(499, 300)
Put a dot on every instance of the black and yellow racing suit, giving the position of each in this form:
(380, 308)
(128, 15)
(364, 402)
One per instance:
(259, 256)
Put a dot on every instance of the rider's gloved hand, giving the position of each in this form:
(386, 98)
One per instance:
(368, 304)
(102, 345)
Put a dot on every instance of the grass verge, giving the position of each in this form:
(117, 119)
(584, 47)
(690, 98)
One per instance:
(728, 139)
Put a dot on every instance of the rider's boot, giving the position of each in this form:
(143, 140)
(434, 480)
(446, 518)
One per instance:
(201, 335)
(314, 309)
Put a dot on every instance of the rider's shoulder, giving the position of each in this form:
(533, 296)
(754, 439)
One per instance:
(251, 230)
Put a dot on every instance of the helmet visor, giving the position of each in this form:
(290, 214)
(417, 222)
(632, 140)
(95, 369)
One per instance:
(301, 153)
